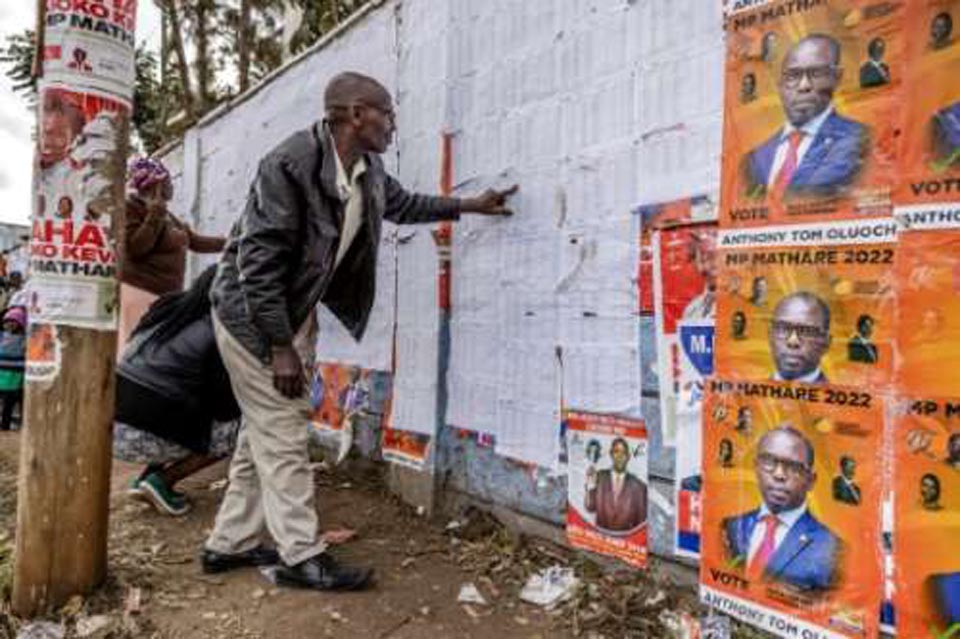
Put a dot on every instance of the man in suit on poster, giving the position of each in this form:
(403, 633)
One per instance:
(617, 497)
(799, 338)
(817, 151)
(780, 541)
(845, 489)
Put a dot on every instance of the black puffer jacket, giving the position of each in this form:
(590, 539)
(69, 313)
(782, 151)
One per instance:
(170, 380)
(279, 260)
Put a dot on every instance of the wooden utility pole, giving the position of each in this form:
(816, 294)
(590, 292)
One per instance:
(84, 102)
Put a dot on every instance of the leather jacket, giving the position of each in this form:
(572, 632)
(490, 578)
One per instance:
(279, 262)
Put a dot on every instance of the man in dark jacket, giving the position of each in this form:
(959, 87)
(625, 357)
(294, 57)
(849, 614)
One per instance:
(309, 234)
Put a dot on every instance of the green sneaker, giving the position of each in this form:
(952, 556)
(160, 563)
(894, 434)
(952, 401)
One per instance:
(155, 491)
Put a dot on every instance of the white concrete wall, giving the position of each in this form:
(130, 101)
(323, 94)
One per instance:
(593, 106)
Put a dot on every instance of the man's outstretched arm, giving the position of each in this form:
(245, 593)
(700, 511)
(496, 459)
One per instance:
(403, 207)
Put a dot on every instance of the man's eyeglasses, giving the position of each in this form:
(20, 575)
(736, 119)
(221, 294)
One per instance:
(793, 77)
(783, 330)
(769, 463)
(387, 112)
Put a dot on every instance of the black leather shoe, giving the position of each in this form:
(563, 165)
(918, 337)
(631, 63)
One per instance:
(322, 572)
(214, 562)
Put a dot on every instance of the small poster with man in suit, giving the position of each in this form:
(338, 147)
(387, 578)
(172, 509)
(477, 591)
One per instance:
(927, 506)
(782, 547)
(607, 494)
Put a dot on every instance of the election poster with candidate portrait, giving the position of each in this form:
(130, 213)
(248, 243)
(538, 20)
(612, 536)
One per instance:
(808, 303)
(811, 111)
(72, 251)
(930, 158)
(927, 505)
(607, 485)
(793, 484)
(928, 310)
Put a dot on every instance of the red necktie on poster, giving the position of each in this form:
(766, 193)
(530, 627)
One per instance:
(767, 546)
(790, 164)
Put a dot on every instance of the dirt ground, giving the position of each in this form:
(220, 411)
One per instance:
(156, 590)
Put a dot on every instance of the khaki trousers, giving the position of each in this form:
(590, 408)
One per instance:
(271, 482)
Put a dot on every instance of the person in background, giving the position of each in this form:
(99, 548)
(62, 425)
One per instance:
(153, 257)
(13, 346)
(16, 294)
(175, 411)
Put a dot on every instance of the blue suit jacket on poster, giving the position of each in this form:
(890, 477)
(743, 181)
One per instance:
(946, 593)
(832, 162)
(946, 127)
(806, 559)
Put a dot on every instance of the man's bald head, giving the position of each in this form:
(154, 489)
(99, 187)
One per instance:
(360, 113)
(349, 88)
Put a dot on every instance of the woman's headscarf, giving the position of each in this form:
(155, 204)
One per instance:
(144, 173)
(16, 314)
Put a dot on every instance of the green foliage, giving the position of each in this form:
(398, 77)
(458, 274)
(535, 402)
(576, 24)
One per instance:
(148, 101)
(320, 17)
(210, 30)
(17, 57)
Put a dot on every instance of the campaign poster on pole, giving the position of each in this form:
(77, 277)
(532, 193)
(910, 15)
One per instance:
(72, 253)
(89, 44)
(928, 291)
(607, 485)
(811, 111)
(927, 480)
(793, 484)
(930, 159)
(808, 303)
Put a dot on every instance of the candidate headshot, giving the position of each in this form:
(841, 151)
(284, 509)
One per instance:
(799, 338)
(758, 291)
(744, 420)
(617, 497)
(875, 72)
(725, 453)
(738, 325)
(780, 540)
(861, 348)
(941, 31)
(817, 151)
(930, 492)
(953, 450)
(768, 46)
(845, 489)
(593, 450)
(748, 88)
(945, 132)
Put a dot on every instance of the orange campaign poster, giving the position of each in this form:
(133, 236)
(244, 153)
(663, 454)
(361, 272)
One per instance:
(808, 303)
(607, 485)
(813, 95)
(928, 322)
(930, 157)
(793, 480)
(927, 504)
